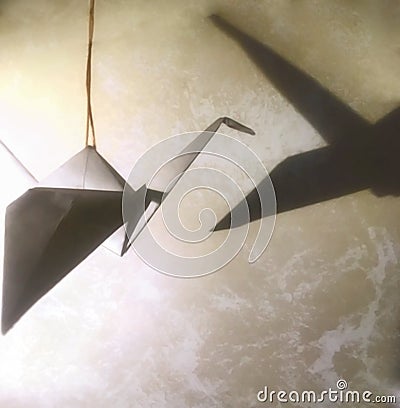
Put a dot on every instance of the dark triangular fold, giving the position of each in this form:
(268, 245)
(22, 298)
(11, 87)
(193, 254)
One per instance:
(49, 231)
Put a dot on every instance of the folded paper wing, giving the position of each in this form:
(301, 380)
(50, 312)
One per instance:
(51, 228)
(15, 178)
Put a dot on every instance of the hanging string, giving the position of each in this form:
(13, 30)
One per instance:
(89, 114)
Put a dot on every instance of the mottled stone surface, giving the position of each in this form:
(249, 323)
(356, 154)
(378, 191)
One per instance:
(323, 301)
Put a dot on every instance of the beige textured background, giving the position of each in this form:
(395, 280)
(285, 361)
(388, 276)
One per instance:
(323, 301)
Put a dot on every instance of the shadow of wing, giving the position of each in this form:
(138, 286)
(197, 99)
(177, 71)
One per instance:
(333, 119)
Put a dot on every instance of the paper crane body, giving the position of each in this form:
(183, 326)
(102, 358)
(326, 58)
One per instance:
(52, 228)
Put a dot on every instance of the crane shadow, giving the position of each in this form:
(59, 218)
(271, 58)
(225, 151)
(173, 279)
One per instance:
(360, 155)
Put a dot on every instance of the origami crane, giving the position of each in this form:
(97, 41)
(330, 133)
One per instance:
(54, 226)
